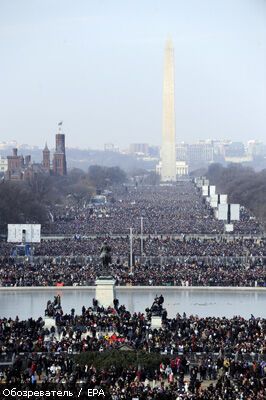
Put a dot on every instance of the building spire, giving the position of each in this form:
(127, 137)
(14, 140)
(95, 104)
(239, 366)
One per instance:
(46, 147)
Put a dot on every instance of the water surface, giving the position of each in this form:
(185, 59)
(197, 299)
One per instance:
(32, 303)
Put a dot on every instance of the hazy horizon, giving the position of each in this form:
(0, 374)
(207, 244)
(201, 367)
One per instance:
(98, 66)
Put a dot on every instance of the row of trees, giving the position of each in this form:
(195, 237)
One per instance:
(243, 185)
(104, 177)
(18, 205)
(29, 201)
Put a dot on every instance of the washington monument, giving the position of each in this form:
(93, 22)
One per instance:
(168, 151)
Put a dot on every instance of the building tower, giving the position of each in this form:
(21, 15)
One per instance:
(59, 161)
(168, 151)
(15, 165)
(46, 158)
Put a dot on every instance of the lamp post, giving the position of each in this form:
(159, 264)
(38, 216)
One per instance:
(141, 236)
(131, 250)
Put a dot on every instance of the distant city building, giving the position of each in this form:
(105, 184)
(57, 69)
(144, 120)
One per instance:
(19, 168)
(239, 159)
(59, 159)
(234, 149)
(219, 148)
(200, 153)
(46, 161)
(154, 151)
(256, 148)
(111, 147)
(15, 166)
(181, 151)
(196, 153)
(139, 148)
(181, 168)
(32, 170)
(3, 164)
(27, 160)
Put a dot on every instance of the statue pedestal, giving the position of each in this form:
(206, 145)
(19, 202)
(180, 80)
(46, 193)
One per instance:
(105, 291)
(156, 322)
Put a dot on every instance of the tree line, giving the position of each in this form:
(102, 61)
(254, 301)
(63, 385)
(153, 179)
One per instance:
(23, 202)
(243, 185)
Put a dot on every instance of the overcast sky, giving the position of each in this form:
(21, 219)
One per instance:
(98, 66)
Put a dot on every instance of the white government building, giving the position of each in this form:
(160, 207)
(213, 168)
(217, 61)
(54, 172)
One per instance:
(181, 168)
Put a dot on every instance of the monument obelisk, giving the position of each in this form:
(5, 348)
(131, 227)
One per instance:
(168, 151)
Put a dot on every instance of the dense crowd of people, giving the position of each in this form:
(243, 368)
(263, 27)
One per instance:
(167, 209)
(158, 260)
(165, 261)
(204, 358)
(224, 379)
(89, 332)
(152, 247)
(220, 343)
(186, 273)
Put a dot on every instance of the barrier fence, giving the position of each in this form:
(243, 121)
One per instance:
(146, 235)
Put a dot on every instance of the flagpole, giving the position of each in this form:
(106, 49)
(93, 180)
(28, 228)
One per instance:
(131, 251)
